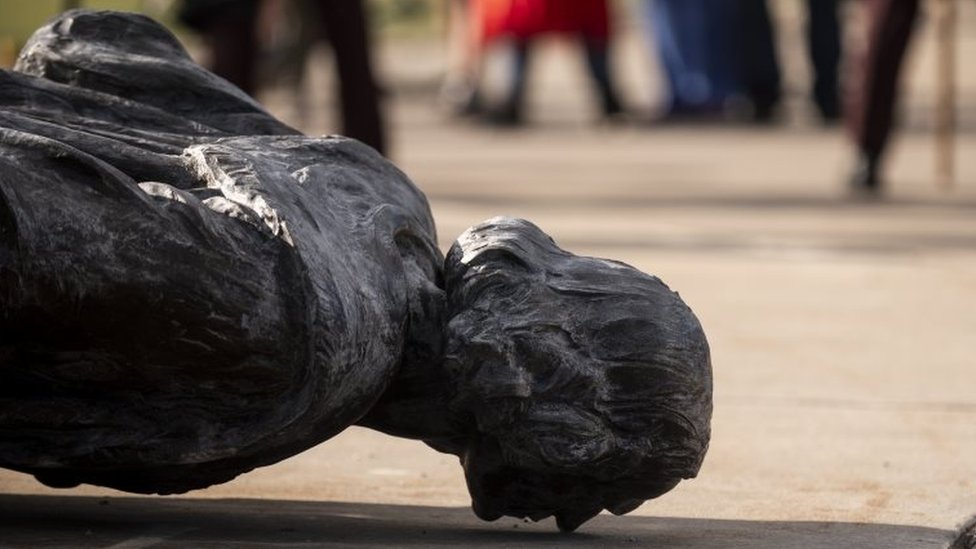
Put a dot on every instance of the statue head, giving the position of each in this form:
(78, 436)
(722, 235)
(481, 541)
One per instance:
(586, 383)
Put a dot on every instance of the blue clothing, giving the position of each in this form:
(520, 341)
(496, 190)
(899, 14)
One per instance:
(694, 40)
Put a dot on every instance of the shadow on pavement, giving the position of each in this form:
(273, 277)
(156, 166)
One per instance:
(136, 522)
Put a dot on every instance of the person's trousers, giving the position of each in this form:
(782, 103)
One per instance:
(759, 65)
(692, 38)
(757, 60)
(871, 105)
(229, 32)
(345, 23)
(824, 46)
(597, 53)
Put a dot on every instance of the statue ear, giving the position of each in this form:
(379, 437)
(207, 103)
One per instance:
(488, 384)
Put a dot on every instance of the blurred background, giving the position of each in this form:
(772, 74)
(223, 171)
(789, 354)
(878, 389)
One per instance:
(687, 139)
(791, 66)
(452, 67)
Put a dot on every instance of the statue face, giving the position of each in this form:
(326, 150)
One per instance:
(500, 487)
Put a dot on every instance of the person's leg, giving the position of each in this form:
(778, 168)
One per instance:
(660, 24)
(873, 101)
(678, 28)
(345, 24)
(721, 67)
(233, 44)
(510, 113)
(460, 89)
(757, 57)
(690, 18)
(824, 42)
(598, 61)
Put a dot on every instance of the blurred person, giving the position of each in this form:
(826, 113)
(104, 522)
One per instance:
(760, 70)
(523, 21)
(346, 27)
(693, 40)
(460, 90)
(229, 27)
(871, 103)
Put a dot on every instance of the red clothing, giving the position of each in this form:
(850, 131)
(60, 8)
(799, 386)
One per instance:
(525, 19)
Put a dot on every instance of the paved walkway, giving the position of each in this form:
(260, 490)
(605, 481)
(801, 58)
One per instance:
(841, 331)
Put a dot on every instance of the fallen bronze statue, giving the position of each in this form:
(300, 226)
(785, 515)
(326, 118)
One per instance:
(190, 289)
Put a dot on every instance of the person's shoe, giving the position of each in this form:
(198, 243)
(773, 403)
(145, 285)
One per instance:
(828, 105)
(508, 116)
(830, 115)
(460, 99)
(701, 114)
(614, 114)
(764, 114)
(864, 180)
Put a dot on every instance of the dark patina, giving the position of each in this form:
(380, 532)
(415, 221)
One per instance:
(190, 289)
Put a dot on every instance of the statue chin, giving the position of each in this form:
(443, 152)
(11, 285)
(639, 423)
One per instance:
(190, 289)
